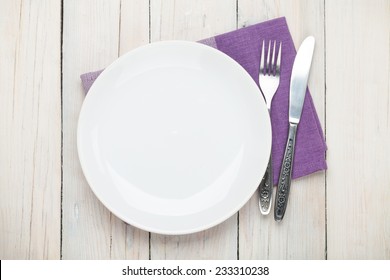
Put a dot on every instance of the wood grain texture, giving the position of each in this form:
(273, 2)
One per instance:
(134, 25)
(194, 20)
(30, 129)
(191, 19)
(358, 131)
(91, 41)
(301, 234)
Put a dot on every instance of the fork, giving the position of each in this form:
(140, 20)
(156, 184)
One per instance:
(269, 78)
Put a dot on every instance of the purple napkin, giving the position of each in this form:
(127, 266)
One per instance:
(243, 45)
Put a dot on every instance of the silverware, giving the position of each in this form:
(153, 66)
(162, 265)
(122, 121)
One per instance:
(298, 84)
(269, 77)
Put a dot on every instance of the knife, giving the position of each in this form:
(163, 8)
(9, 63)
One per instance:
(298, 84)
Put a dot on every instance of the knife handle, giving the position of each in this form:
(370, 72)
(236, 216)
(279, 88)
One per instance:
(265, 189)
(284, 183)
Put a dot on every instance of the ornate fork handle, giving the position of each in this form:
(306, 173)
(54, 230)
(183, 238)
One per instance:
(265, 189)
(285, 175)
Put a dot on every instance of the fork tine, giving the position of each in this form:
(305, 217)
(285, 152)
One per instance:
(279, 59)
(262, 59)
(267, 71)
(272, 63)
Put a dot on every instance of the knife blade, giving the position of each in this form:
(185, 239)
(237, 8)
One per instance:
(298, 85)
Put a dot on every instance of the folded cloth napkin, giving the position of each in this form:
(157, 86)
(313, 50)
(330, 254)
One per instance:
(243, 45)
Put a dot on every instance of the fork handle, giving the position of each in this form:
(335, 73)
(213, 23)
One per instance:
(265, 189)
(284, 183)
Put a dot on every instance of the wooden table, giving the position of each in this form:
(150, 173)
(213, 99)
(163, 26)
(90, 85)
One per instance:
(47, 210)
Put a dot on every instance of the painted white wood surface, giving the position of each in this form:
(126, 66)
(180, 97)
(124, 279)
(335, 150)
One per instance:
(301, 234)
(340, 214)
(30, 129)
(358, 131)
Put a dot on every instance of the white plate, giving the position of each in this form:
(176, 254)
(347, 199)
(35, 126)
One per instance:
(174, 137)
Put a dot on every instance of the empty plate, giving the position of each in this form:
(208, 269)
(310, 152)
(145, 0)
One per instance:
(174, 137)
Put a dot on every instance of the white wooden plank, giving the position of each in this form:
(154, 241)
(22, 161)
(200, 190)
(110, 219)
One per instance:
(219, 242)
(90, 42)
(301, 234)
(30, 134)
(134, 25)
(191, 19)
(358, 132)
(194, 20)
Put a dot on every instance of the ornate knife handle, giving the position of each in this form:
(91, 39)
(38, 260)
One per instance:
(265, 189)
(285, 175)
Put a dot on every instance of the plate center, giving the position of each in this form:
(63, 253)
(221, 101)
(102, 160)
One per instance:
(170, 133)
